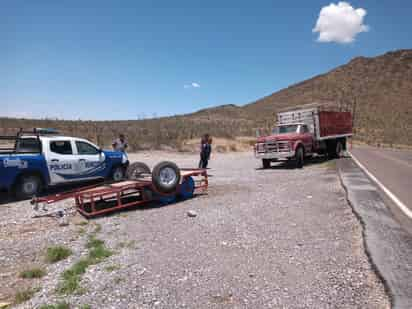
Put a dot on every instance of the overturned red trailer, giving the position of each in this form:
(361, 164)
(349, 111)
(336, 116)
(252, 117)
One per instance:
(101, 199)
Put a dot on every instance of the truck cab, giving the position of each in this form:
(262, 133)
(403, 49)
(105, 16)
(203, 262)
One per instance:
(283, 143)
(42, 160)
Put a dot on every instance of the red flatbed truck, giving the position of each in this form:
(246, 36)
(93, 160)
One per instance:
(302, 132)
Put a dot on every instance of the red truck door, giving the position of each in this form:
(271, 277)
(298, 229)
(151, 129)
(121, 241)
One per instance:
(307, 139)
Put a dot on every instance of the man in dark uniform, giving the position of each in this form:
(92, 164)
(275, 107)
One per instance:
(205, 151)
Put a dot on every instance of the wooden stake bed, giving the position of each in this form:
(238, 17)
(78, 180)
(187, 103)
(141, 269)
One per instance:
(101, 199)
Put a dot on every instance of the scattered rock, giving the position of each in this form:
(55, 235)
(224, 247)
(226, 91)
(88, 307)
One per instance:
(191, 213)
(63, 221)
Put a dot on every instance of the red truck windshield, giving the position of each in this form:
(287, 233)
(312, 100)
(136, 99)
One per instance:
(285, 129)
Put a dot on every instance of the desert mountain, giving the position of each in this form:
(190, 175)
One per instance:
(378, 90)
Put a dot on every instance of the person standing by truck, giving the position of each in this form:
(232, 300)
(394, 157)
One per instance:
(205, 150)
(120, 144)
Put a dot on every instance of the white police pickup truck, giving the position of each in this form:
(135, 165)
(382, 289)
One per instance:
(42, 158)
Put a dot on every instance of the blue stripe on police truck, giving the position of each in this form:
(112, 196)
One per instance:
(85, 174)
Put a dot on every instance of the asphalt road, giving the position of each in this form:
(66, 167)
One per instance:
(388, 246)
(393, 168)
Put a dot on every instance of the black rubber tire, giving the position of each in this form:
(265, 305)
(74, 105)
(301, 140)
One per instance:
(169, 170)
(118, 173)
(266, 163)
(299, 157)
(339, 150)
(335, 148)
(136, 169)
(331, 149)
(28, 186)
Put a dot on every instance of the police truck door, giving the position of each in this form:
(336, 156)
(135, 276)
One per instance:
(91, 161)
(61, 161)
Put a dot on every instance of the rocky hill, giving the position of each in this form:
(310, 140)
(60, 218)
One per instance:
(378, 90)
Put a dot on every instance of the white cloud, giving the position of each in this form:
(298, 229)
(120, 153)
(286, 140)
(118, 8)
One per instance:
(340, 23)
(192, 85)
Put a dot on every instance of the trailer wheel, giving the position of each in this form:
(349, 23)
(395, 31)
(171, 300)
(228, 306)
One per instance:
(299, 157)
(136, 169)
(166, 177)
(266, 163)
(118, 173)
(28, 186)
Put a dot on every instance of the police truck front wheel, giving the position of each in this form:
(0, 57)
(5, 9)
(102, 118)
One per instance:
(28, 186)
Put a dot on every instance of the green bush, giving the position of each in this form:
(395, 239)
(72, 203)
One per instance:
(72, 276)
(24, 295)
(56, 306)
(32, 273)
(57, 253)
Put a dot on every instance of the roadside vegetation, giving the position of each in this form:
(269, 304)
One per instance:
(57, 253)
(35, 272)
(111, 268)
(328, 164)
(24, 295)
(62, 305)
(71, 277)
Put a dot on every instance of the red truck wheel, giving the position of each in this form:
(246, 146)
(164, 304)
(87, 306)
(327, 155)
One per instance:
(266, 163)
(339, 149)
(299, 157)
(335, 148)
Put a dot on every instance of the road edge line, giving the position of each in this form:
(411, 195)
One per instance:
(388, 288)
(406, 211)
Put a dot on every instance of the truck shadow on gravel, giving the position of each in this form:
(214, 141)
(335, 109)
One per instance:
(290, 165)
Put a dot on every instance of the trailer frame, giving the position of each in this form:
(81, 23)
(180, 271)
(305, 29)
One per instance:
(124, 194)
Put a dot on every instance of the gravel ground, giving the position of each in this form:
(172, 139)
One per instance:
(277, 238)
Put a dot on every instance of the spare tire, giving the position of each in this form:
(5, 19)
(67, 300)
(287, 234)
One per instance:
(136, 170)
(166, 177)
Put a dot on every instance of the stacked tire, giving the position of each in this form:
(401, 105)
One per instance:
(165, 175)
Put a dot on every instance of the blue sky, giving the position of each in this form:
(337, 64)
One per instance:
(130, 59)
